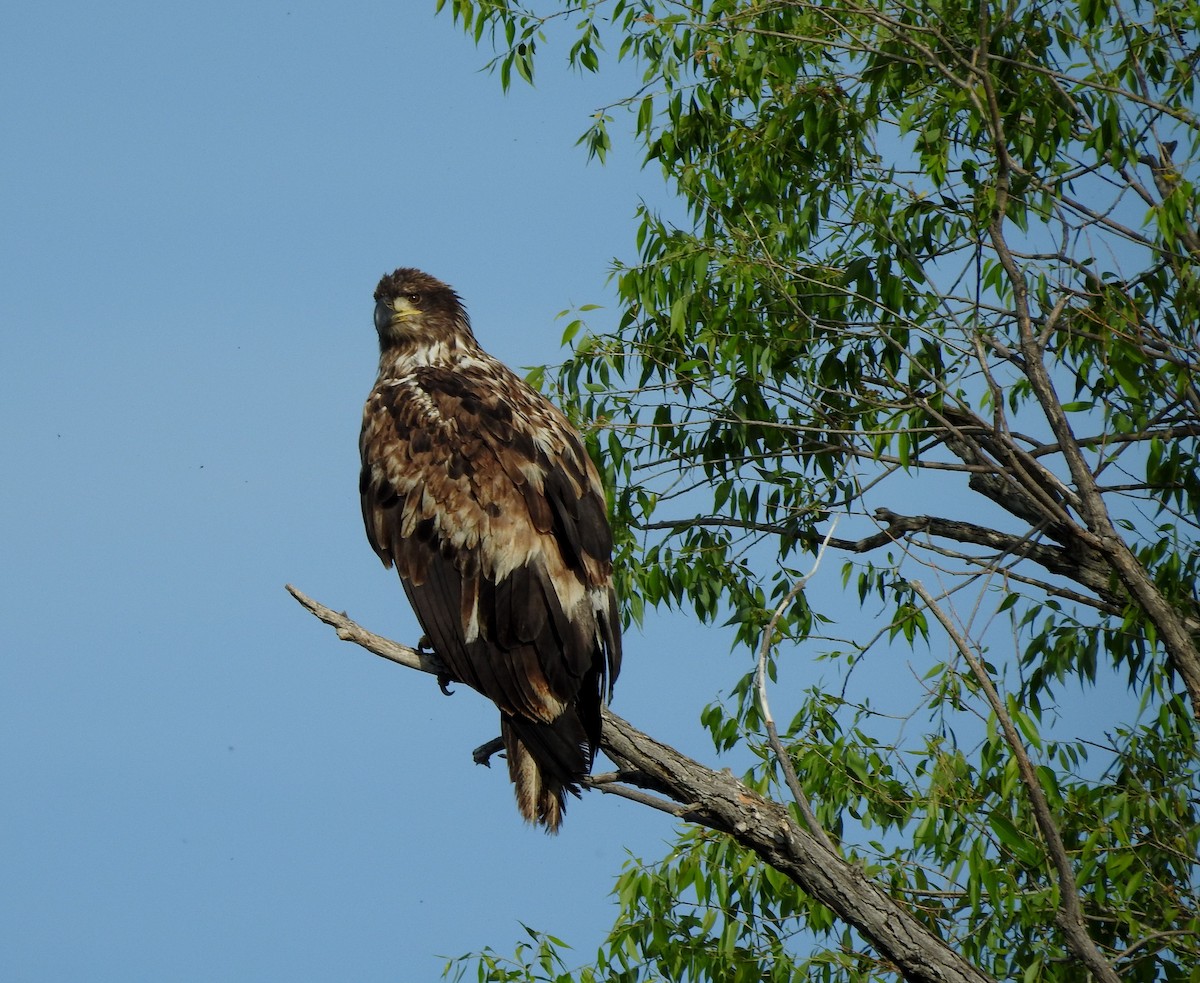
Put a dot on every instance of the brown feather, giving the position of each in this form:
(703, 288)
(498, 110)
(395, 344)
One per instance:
(480, 493)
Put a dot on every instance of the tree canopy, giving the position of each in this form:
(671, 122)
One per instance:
(942, 244)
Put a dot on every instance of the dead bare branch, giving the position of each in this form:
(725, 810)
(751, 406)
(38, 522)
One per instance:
(718, 800)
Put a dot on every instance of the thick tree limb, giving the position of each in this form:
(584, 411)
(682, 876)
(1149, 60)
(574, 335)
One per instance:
(717, 799)
(721, 802)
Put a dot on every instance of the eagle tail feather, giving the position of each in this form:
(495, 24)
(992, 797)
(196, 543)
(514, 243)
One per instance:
(545, 762)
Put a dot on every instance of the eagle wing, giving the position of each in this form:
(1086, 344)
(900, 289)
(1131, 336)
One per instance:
(480, 493)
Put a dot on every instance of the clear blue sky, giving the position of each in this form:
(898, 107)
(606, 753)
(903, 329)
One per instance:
(200, 782)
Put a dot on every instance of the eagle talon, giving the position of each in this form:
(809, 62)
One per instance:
(425, 647)
(483, 753)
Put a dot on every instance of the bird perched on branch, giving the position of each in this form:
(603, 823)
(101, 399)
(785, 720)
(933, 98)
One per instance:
(481, 494)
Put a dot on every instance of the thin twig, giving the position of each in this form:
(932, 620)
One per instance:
(609, 783)
(1150, 939)
(760, 687)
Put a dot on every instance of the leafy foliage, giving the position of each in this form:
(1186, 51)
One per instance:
(948, 241)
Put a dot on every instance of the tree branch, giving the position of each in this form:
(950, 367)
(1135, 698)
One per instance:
(610, 783)
(1082, 567)
(760, 688)
(1101, 534)
(721, 802)
(350, 631)
(1070, 913)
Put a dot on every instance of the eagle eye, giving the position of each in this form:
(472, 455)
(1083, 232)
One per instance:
(413, 298)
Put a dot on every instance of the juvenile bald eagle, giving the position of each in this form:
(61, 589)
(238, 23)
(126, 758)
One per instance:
(480, 493)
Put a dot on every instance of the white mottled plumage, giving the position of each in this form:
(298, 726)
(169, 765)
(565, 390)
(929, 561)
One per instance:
(481, 494)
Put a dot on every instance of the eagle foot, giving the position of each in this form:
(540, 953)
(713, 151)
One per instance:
(483, 753)
(425, 647)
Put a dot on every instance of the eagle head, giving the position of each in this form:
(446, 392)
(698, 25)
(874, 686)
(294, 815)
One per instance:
(415, 309)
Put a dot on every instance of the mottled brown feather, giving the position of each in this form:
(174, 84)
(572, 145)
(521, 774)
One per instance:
(481, 494)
